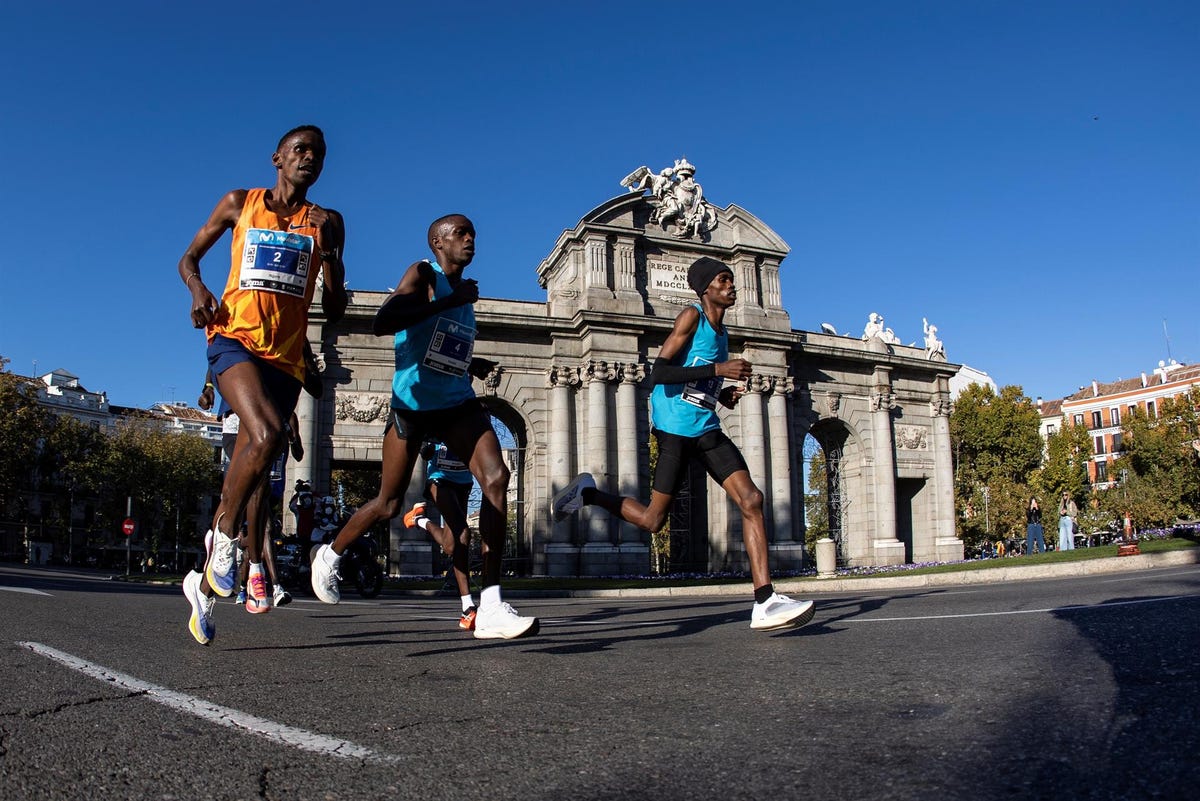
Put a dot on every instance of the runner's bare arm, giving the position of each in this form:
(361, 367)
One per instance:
(410, 301)
(333, 270)
(223, 218)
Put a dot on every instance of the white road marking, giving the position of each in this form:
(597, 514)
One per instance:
(1016, 611)
(214, 713)
(25, 590)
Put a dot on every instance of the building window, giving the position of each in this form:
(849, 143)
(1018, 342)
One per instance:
(1132, 408)
(1097, 422)
(1114, 416)
(1099, 445)
(1151, 412)
(1079, 419)
(1051, 429)
(1116, 440)
(1101, 471)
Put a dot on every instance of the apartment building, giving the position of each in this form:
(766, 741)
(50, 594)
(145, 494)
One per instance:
(1102, 406)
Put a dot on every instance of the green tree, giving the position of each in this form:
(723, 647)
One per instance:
(23, 427)
(998, 450)
(816, 501)
(1160, 462)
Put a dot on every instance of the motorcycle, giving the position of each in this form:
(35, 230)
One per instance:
(359, 564)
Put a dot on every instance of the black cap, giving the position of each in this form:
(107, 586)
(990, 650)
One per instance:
(703, 271)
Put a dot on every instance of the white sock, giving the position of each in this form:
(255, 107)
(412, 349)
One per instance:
(467, 602)
(255, 567)
(489, 595)
(423, 523)
(330, 557)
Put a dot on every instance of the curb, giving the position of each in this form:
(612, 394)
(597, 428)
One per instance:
(822, 586)
(819, 586)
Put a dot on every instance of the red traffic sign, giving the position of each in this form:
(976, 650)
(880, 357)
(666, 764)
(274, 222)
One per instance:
(128, 526)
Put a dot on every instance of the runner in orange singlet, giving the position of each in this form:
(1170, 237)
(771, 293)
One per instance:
(256, 335)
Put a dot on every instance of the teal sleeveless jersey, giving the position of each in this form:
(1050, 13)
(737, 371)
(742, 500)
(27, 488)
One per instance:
(689, 410)
(432, 357)
(445, 466)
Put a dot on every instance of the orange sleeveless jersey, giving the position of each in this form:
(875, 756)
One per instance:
(271, 284)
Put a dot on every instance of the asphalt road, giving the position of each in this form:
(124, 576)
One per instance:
(1072, 688)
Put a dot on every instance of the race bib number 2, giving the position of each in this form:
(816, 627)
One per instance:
(450, 348)
(275, 261)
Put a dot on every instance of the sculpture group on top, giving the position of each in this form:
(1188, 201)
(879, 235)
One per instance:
(676, 197)
(935, 349)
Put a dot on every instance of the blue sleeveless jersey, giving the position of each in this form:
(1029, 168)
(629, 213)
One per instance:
(445, 466)
(432, 357)
(689, 410)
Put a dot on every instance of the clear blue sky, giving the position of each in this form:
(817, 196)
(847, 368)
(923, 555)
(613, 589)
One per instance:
(1025, 175)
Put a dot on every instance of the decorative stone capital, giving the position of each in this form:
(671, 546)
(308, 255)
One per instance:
(882, 401)
(596, 370)
(783, 385)
(758, 384)
(939, 406)
(632, 373)
(562, 377)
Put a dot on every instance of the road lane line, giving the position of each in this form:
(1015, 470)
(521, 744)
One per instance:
(25, 590)
(215, 713)
(1016, 611)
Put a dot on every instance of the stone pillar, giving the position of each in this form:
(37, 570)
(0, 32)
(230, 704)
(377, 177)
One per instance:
(599, 554)
(787, 549)
(634, 552)
(561, 553)
(947, 544)
(306, 416)
(753, 432)
(886, 549)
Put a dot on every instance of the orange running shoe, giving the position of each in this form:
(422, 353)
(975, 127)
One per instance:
(467, 621)
(414, 514)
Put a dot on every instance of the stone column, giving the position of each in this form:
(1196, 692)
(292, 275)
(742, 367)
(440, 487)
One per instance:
(886, 549)
(306, 416)
(753, 431)
(781, 458)
(599, 554)
(947, 544)
(561, 553)
(634, 552)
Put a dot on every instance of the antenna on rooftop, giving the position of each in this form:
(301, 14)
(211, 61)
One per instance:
(1167, 337)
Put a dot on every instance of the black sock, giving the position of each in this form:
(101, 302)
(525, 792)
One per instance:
(763, 593)
(589, 495)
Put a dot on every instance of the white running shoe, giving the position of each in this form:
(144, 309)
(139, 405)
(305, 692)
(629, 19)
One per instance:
(570, 498)
(781, 612)
(325, 576)
(501, 622)
(200, 624)
(221, 568)
(282, 596)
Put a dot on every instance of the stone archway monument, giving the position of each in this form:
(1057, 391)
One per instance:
(569, 385)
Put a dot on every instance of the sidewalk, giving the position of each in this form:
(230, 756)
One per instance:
(805, 587)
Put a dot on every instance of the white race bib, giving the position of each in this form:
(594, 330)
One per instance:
(450, 348)
(275, 261)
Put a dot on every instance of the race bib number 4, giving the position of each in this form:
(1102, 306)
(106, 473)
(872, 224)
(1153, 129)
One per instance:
(275, 261)
(450, 348)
